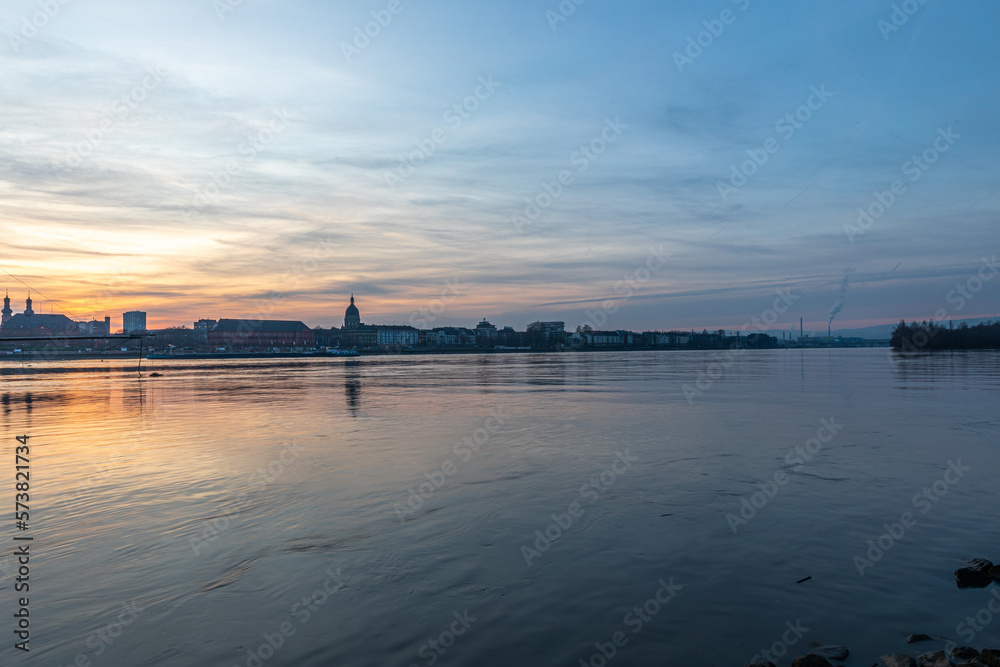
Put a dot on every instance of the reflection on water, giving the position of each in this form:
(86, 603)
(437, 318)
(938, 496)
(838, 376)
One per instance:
(216, 496)
(352, 385)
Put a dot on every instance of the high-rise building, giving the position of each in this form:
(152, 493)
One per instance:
(133, 321)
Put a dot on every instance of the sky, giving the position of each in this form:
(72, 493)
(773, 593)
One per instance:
(634, 165)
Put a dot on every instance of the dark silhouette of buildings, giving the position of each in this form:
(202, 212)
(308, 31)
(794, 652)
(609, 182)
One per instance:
(261, 334)
(30, 323)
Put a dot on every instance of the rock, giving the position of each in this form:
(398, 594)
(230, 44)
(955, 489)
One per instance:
(995, 572)
(990, 657)
(919, 637)
(967, 577)
(763, 664)
(896, 660)
(833, 652)
(811, 660)
(979, 564)
(975, 574)
(933, 659)
(964, 654)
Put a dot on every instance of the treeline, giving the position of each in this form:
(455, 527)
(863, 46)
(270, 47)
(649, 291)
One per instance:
(933, 336)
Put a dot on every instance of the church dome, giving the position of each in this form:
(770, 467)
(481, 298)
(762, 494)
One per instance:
(352, 318)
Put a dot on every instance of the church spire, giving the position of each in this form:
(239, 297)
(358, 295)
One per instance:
(28, 311)
(6, 312)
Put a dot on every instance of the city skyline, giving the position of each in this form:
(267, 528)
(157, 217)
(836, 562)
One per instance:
(309, 160)
(596, 320)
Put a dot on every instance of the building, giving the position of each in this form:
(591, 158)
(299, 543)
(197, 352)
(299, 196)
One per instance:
(507, 338)
(451, 337)
(327, 337)
(361, 336)
(203, 326)
(95, 327)
(32, 324)
(607, 338)
(176, 338)
(545, 334)
(355, 334)
(7, 312)
(352, 316)
(486, 334)
(261, 334)
(134, 321)
(201, 329)
(38, 325)
(396, 335)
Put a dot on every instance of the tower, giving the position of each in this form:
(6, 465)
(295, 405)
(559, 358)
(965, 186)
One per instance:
(352, 318)
(7, 312)
(28, 311)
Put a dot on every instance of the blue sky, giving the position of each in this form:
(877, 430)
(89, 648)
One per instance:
(212, 159)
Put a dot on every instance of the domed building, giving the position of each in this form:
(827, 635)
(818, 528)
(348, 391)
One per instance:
(352, 318)
(355, 334)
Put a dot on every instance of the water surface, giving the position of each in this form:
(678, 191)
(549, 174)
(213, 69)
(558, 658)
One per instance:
(219, 495)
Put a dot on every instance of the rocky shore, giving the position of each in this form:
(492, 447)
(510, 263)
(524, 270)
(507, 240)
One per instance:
(977, 573)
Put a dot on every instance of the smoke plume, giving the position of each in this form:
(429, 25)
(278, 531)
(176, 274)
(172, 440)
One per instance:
(838, 305)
